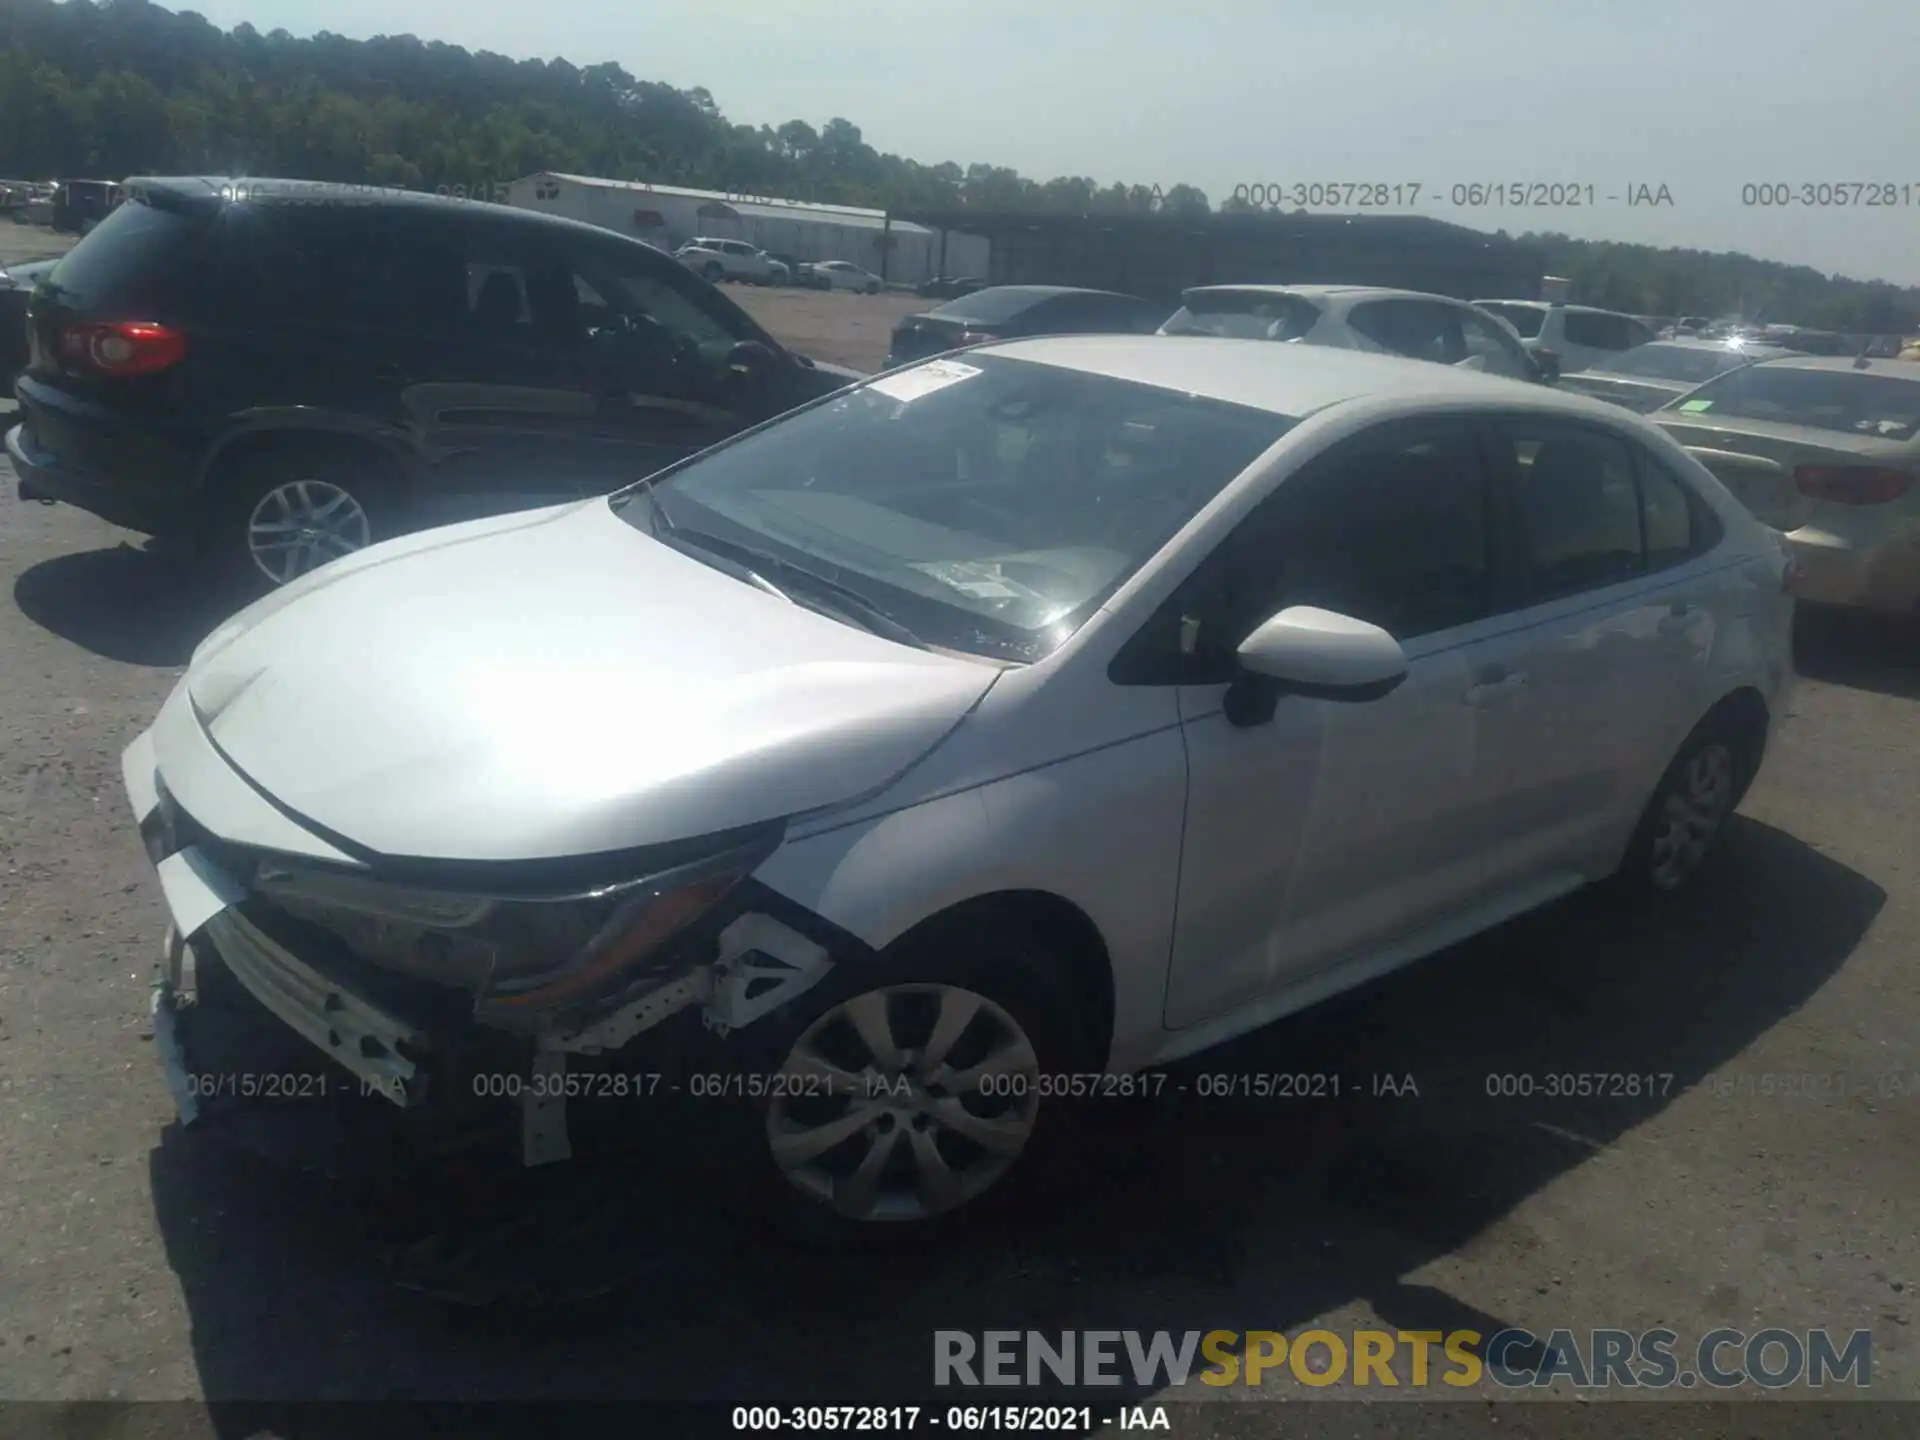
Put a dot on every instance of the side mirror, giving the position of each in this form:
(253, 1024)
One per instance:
(1316, 653)
(753, 361)
(1548, 365)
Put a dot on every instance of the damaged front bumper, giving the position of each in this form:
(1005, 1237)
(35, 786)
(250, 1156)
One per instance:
(222, 973)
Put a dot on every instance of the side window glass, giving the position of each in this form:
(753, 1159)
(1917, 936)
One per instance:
(1393, 530)
(1579, 508)
(1669, 512)
(1485, 342)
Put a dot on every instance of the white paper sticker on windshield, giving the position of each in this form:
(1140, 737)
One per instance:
(924, 379)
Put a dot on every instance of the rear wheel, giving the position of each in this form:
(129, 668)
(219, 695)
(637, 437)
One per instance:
(1689, 809)
(279, 514)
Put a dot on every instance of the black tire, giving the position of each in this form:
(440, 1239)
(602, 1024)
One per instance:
(714, 272)
(1719, 748)
(1003, 965)
(238, 489)
(873, 289)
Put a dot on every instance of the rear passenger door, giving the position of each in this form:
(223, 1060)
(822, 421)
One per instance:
(496, 386)
(1609, 663)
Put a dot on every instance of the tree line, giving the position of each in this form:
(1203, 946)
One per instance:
(125, 88)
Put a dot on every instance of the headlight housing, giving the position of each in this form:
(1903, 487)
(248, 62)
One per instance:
(519, 955)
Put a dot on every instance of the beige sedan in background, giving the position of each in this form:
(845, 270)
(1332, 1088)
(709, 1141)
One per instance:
(1826, 450)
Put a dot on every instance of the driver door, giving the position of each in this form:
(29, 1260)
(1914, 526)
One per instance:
(657, 353)
(1335, 828)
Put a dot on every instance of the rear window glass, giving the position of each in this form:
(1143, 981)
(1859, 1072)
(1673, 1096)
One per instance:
(128, 258)
(1686, 363)
(1858, 402)
(1243, 315)
(1527, 319)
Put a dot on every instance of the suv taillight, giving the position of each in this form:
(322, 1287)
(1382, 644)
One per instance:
(121, 347)
(1852, 484)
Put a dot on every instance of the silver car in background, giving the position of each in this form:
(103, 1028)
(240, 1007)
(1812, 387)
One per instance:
(1649, 376)
(1827, 451)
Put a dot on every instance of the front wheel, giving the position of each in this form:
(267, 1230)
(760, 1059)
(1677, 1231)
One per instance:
(903, 1098)
(714, 272)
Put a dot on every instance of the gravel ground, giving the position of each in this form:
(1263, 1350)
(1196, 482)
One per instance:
(138, 1261)
(836, 325)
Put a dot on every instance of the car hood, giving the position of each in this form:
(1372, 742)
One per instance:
(557, 684)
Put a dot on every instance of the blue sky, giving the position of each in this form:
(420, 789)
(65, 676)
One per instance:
(1701, 96)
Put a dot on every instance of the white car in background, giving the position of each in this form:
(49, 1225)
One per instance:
(942, 750)
(1648, 376)
(1358, 317)
(1570, 338)
(1826, 451)
(841, 275)
(719, 260)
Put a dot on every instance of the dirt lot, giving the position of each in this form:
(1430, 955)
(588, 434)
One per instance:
(141, 1261)
(837, 325)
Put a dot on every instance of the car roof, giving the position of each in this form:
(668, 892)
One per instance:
(1899, 369)
(208, 189)
(1694, 342)
(1292, 380)
(1570, 309)
(1322, 292)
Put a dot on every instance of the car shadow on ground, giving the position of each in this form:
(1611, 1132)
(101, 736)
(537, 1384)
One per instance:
(1183, 1213)
(1880, 653)
(137, 605)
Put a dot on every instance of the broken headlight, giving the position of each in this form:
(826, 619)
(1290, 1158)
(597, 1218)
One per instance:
(516, 954)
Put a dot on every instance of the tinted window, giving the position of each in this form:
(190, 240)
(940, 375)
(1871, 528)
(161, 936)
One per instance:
(1391, 529)
(989, 503)
(130, 258)
(1600, 332)
(331, 265)
(1243, 315)
(1860, 402)
(1578, 505)
(1527, 319)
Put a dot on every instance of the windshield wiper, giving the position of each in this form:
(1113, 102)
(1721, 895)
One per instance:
(754, 566)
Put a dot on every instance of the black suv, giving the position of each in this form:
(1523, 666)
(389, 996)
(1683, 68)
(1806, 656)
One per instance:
(284, 371)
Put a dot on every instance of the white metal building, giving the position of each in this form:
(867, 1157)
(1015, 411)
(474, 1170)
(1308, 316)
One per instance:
(668, 217)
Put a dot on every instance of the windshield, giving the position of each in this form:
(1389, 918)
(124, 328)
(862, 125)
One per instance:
(990, 507)
(1243, 315)
(1686, 363)
(1527, 319)
(1858, 402)
(993, 306)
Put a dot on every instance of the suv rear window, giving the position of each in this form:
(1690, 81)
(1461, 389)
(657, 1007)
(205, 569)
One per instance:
(130, 258)
(1527, 319)
(1243, 315)
(1884, 406)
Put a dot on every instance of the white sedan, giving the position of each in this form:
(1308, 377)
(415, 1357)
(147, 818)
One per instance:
(842, 275)
(1412, 323)
(918, 763)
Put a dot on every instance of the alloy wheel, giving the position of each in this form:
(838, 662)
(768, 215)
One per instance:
(1691, 813)
(905, 1102)
(302, 524)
